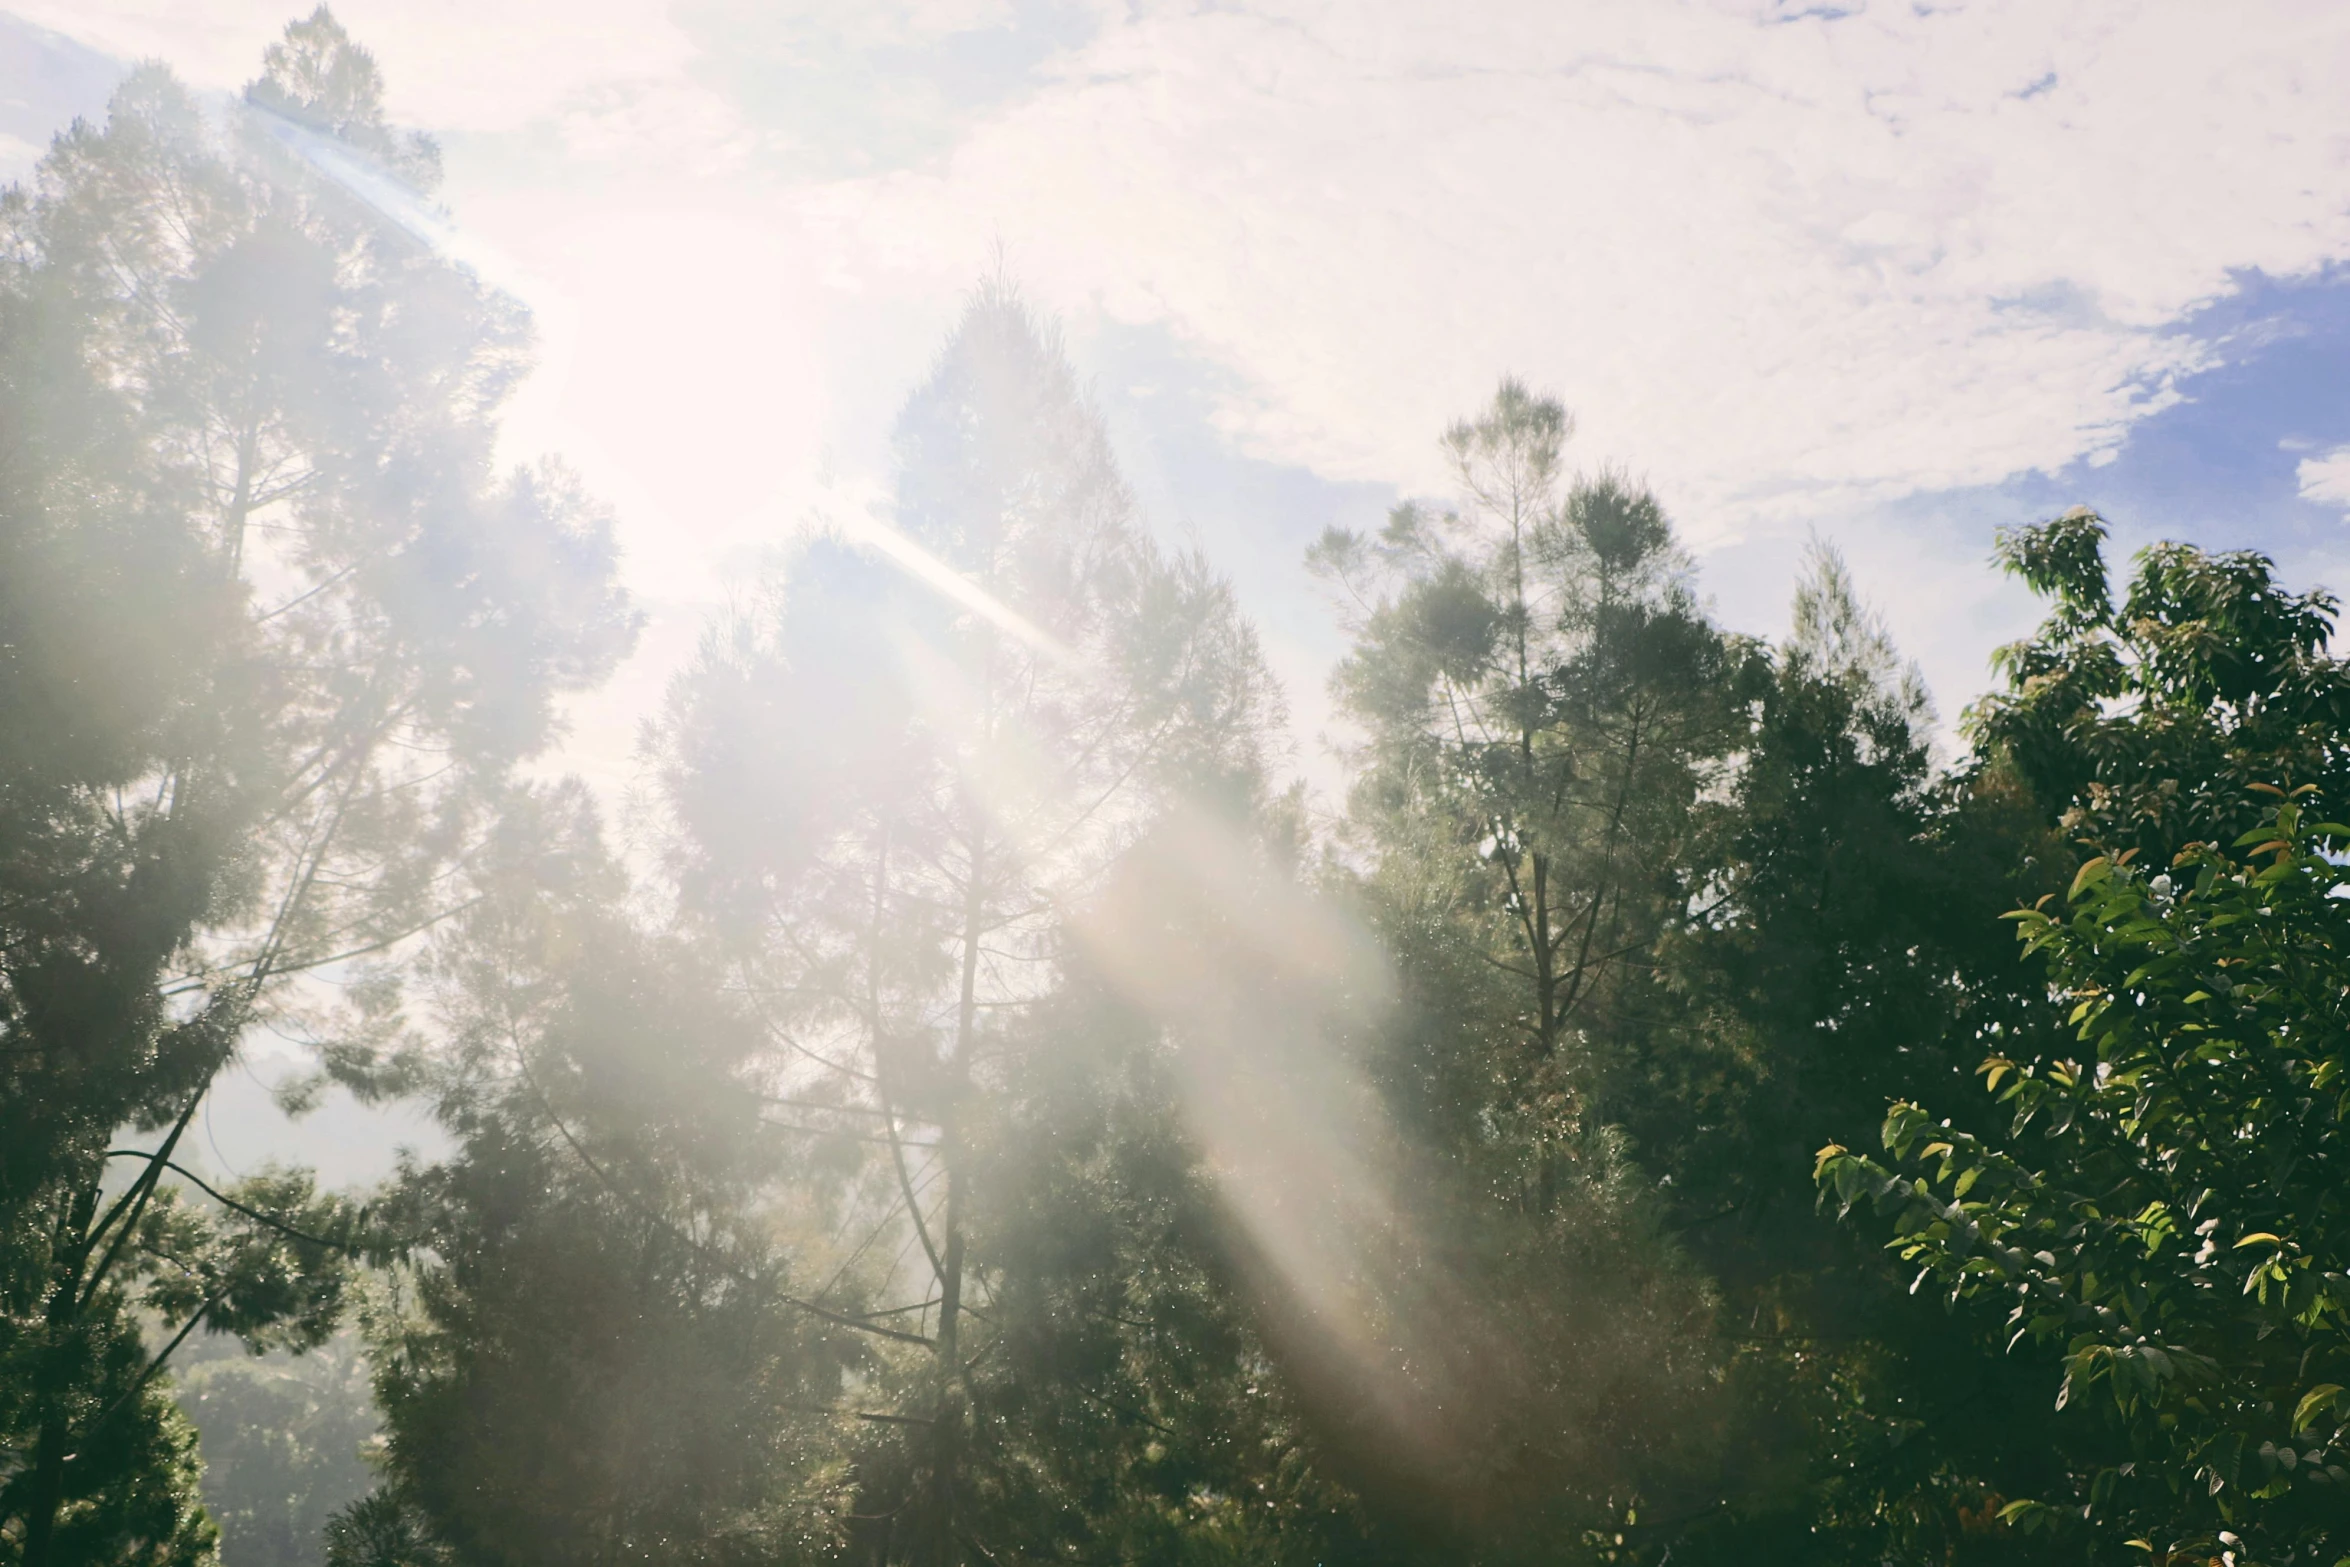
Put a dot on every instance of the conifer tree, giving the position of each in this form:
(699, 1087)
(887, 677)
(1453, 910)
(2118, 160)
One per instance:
(271, 629)
(1849, 952)
(1544, 704)
(890, 788)
(597, 1349)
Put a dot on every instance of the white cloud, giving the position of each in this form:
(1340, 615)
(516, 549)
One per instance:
(451, 65)
(1785, 266)
(2326, 479)
(1774, 263)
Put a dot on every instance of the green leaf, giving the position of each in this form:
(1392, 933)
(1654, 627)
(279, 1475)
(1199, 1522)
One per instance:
(2314, 1403)
(2025, 1515)
(2089, 875)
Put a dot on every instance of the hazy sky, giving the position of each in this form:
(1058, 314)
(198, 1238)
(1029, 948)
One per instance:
(1894, 272)
(1897, 273)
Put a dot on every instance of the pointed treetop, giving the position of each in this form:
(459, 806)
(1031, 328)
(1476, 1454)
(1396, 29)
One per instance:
(1522, 434)
(1838, 637)
(318, 78)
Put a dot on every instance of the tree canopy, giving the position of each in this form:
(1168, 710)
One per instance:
(273, 628)
(976, 1108)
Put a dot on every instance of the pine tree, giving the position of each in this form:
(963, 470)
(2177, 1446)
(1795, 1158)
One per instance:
(1849, 949)
(1544, 705)
(271, 628)
(890, 789)
(595, 1350)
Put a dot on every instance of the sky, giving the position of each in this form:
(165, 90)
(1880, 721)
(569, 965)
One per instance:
(1889, 275)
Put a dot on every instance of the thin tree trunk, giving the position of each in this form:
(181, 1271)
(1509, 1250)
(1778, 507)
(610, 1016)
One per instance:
(940, 1547)
(240, 507)
(1546, 979)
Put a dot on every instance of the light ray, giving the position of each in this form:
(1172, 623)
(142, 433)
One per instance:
(394, 200)
(860, 524)
(532, 419)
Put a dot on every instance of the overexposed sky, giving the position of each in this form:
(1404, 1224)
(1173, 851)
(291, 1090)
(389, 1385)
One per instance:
(1859, 268)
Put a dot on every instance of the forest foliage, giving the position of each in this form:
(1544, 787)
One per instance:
(990, 1114)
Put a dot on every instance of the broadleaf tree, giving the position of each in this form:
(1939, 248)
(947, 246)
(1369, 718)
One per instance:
(2160, 1209)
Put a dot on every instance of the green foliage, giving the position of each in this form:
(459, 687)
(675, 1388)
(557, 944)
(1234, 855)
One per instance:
(129, 1494)
(1546, 708)
(1545, 704)
(1843, 950)
(2182, 1232)
(1831, 928)
(284, 1439)
(267, 1260)
(595, 1351)
(380, 1530)
(1126, 1405)
(2146, 727)
(2168, 1092)
(898, 900)
(272, 627)
(319, 79)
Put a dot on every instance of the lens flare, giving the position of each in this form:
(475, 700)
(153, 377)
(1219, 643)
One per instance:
(860, 524)
(1265, 995)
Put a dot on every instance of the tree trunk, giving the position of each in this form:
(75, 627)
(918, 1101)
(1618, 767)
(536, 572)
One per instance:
(939, 1546)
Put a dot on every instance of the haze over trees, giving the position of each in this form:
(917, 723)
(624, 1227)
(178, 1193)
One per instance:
(993, 1115)
(275, 633)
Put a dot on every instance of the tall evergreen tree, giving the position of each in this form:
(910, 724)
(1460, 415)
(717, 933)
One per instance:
(1849, 953)
(271, 627)
(1545, 706)
(596, 1351)
(890, 787)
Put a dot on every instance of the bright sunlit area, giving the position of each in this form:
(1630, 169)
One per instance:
(985, 782)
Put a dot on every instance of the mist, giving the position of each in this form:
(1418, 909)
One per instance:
(698, 865)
